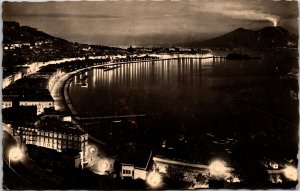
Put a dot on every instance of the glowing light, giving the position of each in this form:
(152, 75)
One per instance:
(154, 179)
(92, 149)
(15, 154)
(275, 23)
(290, 172)
(218, 169)
(103, 165)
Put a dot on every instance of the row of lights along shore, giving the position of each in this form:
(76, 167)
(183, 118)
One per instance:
(218, 169)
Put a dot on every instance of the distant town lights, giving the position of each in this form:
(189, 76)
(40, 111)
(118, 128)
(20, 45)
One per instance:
(290, 172)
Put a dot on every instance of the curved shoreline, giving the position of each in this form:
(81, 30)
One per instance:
(63, 100)
(66, 103)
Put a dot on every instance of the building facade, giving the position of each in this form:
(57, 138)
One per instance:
(40, 104)
(58, 139)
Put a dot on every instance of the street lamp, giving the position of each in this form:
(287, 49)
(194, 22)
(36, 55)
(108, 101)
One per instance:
(218, 169)
(154, 179)
(14, 154)
(92, 151)
(290, 172)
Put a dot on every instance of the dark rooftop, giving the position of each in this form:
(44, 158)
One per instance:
(56, 125)
(9, 97)
(37, 97)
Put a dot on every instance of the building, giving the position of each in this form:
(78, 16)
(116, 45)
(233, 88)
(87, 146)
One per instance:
(134, 172)
(11, 79)
(53, 134)
(127, 171)
(9, 101)
(40, 101)
(25, 70)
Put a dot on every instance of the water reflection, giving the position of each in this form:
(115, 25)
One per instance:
(166, 72)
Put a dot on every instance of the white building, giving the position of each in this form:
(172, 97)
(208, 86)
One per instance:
(40, 102)
(131, 171)
(56, 138)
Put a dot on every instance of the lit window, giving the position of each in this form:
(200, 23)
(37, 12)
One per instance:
(126, 171)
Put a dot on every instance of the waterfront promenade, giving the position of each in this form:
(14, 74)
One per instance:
(62, 100)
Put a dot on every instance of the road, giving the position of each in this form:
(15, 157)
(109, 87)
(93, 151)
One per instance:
(24, 174)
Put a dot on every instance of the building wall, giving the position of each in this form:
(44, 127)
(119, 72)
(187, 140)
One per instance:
(140, 173)
(130, 171)
(11, 79)
(53, 79)
(41, 105)
(7, 81)
(6, 104)
(127, 171)
(53, 140)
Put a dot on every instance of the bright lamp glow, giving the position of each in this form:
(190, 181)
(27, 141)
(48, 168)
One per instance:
(15, 154)
(92, 150)
(154, 179)
(218, 169)
(290, 172)
(103, 165)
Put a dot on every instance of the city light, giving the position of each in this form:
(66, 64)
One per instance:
(103, 165)
(154, 179)
(15, 154)
(290, 172)
(92, 150)
(218, 169)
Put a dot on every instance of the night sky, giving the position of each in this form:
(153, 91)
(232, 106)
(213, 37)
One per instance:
(150, 22)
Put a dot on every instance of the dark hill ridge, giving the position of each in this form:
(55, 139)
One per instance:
(268, 37)
(13, 32)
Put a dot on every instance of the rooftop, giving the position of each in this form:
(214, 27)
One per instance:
(39, 97)
(63, 128)
(9, 97)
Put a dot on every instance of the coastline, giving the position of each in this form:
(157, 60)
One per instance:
(60, 90)
(63, 102)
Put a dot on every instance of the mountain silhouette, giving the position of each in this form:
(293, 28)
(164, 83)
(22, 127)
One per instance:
(268, 37)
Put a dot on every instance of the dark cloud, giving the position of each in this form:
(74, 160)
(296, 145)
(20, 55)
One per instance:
(127, 22)
(57, 15)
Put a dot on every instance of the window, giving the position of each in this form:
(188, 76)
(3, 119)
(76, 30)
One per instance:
(126, 171)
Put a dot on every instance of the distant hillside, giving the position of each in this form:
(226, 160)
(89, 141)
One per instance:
(268, 37)
(13, 32)
(22, 44)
